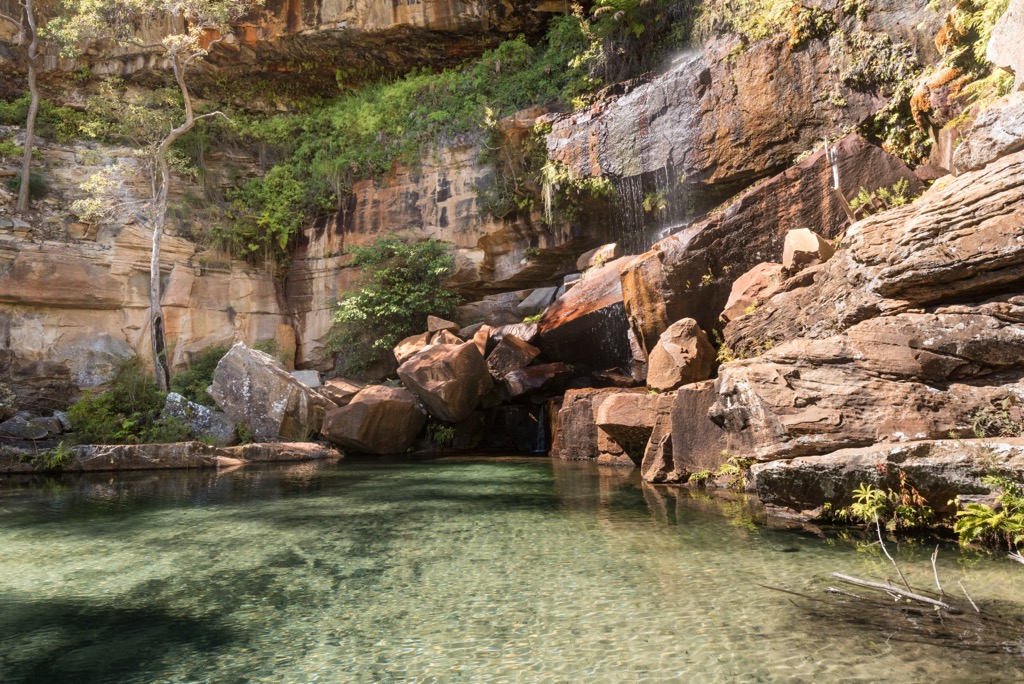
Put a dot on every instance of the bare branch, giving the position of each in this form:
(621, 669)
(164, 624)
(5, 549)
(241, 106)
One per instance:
(213, 114)
(203, 53)
(1017, 556)
(144, 46)
(973, 604)
(899, 592)
(12, 20)
(878, 526)
(935, 570)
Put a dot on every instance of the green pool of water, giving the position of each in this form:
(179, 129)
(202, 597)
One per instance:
(509, 570)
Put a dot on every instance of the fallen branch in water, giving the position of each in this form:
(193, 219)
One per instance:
(888, 588)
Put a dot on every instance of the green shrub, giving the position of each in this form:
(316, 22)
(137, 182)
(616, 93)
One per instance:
(10, 151)
(874, 202)
(899, 510)
(37, 186)
(192, 383)
(126, 413)
(981, 523)
(403, 283)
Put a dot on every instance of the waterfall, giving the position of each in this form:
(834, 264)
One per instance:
(540, 446)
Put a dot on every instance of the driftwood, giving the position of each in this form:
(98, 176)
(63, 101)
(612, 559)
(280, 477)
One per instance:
(920, 616)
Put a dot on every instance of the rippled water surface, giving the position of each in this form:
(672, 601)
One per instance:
(510, 570)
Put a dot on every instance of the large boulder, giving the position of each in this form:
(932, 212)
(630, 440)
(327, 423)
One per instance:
(939, 470)
(410, 346)
(751, 289)
(996, 132)
(1005, 48)
(588, 323)
(690, 274)
(575, 431)
(690, 442)
(341, 390)
(534, 378)
(449, 379)
(802, 248)
(378, 420)
(202, 421)
(256, 391)
(537, 301)
(683, 355)
(625, 421)
(510, 354)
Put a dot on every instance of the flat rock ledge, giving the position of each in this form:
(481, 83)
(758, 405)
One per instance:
(179, 455)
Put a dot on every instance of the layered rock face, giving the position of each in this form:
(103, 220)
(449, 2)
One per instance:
(329, 41)
(437, 201)
(690, 119)
(913, 333)
(690, 274)
(71, 309)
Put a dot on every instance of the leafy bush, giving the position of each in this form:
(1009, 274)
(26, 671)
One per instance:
(37, 186)
(997, 420)
(127, 413)
(403, 283)
(900, 510)
(10, 151)
(52, 122)
(981, 523)
(192, 383)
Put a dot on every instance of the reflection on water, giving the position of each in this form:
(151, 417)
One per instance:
(454, 570)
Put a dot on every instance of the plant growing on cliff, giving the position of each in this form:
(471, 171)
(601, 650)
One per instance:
(403, 283)
(197, 25)
(883, 199)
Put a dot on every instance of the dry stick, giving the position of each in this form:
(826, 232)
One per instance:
(1017, 556)
(964, 589)
(878, 526)
(888, 588)
(935, 570)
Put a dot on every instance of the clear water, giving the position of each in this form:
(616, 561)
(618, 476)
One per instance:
(509, 570)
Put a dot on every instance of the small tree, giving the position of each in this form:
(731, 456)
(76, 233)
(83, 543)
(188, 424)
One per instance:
(28, 34)
(197, 26)
(403, 283)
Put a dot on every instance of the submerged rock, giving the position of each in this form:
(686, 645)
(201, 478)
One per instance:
(255, 390)
(378, 420)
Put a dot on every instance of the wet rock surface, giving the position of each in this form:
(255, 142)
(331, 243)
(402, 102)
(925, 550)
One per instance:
(691, 274)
